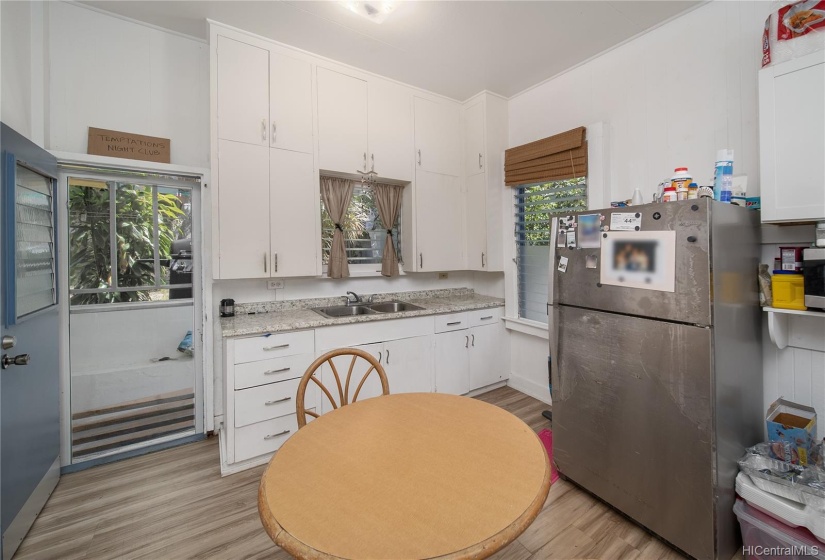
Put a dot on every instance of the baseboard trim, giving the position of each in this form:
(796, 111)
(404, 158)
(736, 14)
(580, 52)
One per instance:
(22, 522)
(530, 388)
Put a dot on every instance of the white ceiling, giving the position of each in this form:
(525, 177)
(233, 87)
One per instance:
(455, 48)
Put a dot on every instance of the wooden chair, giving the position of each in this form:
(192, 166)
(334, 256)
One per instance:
(343, 390)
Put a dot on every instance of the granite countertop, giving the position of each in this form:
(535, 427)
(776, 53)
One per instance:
(280, 316)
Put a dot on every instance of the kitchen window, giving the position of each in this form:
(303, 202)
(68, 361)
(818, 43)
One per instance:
(364, 233)
(534, 207)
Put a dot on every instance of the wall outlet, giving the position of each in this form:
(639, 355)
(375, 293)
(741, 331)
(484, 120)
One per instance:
(442, 275)
(274, 284)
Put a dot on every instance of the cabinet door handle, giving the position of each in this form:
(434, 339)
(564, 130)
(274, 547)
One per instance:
(482, 260)
(379, 357)
(487, 317)
(274, 132)
(372, 162)
(263, 129)
(453, 323)
(275, 262)
(388, 357)
(479, 161)
(264, 262)
(420, 260)
(273, 436)
(278, 347)
(419, 157)
(365, 161)
(283, 369)
(473, 343)
(466, 341)
(285, 399)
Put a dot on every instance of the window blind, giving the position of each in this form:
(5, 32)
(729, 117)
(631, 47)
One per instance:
(559, 157)
(534, 209)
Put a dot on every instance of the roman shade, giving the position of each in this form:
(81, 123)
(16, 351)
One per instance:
(559, 157)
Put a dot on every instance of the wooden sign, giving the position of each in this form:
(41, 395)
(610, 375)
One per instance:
(126, 145)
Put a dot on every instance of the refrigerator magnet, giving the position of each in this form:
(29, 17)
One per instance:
(562, 264)
(589, 226)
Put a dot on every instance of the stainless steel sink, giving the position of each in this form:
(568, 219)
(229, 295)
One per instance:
(344, 311)
(393, 307)
(367, 309)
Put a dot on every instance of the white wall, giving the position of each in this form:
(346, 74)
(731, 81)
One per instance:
(107, 72)
(671, 97)
(22, 68)
(668, 98)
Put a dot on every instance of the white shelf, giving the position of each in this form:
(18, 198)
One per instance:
(778, 323)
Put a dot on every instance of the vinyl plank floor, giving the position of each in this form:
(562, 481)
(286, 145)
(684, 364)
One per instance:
(174, 505)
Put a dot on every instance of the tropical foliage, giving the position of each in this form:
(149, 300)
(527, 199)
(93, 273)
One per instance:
(364, 234)
(90, 227)
(536, 203)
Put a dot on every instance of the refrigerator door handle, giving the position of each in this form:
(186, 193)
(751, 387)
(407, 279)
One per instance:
(552, 311)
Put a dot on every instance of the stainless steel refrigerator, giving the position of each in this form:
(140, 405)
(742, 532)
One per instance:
(656, 362)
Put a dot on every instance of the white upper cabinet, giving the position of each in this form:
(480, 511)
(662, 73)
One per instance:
(243, 210)
(473, 129)
(476, 212)
(437, 136)
(390, 130)
(792, 139)
(243, 92)
(342, 122)
(439, 204)
(294, 231)
(290, 103)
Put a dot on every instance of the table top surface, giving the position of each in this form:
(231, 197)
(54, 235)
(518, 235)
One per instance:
(406, 476)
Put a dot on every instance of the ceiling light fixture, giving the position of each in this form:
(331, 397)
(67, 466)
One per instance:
(376, 11)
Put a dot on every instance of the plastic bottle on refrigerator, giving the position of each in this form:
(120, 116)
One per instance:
(723, 176)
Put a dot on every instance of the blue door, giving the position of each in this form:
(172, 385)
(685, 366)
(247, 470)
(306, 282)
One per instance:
(29, 378)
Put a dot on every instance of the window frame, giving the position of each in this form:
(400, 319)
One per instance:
(137, 178)
(365, 269)
(9, 245)
(519, 231)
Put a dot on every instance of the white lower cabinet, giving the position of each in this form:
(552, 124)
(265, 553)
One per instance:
(467, 359)
(407, 363)
(455, 353)
(452, 362)
(261, 377)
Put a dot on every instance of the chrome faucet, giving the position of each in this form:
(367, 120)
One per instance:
(353, 298)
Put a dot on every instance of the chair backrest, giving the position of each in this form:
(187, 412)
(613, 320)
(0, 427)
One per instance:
(343, 389)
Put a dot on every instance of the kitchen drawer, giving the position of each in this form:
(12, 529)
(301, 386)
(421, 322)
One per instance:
(264, 437)
(453, 322)
(274, 346)
(252, 374)
(485, 316)
(269, 401)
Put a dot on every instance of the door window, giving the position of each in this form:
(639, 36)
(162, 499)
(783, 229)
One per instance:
(34, 250)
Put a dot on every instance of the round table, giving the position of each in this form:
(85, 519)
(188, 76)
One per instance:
(403, 477)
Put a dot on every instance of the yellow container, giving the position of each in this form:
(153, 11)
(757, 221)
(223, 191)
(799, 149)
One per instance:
(788, 291)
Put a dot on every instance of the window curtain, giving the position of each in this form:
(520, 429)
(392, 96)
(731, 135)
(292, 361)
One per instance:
(337, 194)
(388, 200)
(559, 157)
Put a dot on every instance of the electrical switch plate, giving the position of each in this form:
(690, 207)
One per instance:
(274, 284)
(442, 275)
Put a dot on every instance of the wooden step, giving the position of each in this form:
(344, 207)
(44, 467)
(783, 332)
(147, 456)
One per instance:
(140, 403)
(129, 416)
(130, 439)
(111, 430)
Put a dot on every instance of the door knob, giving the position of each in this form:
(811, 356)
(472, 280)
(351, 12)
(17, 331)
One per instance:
(20, 360)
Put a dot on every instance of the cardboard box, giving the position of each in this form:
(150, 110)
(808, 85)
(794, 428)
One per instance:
(792, 424)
